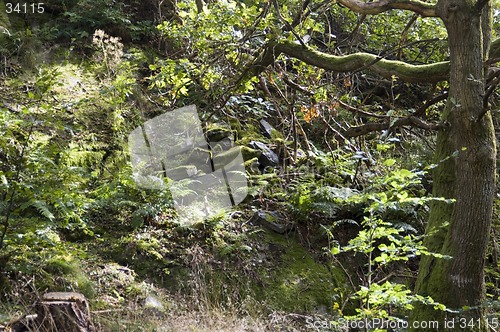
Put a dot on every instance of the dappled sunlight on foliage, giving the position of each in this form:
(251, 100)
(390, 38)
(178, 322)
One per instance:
(354, 145)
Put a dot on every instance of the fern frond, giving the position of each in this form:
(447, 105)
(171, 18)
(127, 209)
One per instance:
(328, 208)
(41, 207)
(82, 156)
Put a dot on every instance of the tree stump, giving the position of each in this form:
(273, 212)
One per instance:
(63, 312)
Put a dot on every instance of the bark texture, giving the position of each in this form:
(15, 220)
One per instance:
(68, 312)
(424, 9)
(465, 156)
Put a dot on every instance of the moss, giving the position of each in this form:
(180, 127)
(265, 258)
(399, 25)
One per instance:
(216, 133)
(277, 274)
(387, 68)
(4, 21)
(249, 153)
(249, 133)
(61, 265)
(298, 282)
(72, 276)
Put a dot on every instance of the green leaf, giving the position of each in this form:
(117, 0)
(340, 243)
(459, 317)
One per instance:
(335, 250)
(389, 162)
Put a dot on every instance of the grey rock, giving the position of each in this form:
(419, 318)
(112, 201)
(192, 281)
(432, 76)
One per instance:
(268, 157)
(272, 220)
(266, 128)
(218, 134)
(182, 172)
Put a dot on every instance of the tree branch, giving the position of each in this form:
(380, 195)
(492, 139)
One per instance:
(492, 82)
(430, 73)
(406, 121)
(287, 25)
(354, 110)
(359, 112)
(301, 14)
(386, 68)
(421, 110)
(404, 35)
(370, 8)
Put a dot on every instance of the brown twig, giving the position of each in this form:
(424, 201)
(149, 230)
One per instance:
(287, 24)
(412, 121)
(360, 112)
(421, 110)
(404, 34)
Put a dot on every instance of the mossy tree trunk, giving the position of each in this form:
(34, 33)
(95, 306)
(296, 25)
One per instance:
(465, 155)
(465, 151)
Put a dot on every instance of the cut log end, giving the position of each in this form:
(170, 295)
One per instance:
(68, 312)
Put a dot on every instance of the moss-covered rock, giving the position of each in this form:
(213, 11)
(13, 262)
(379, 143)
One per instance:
(249, 153)
(218, 133)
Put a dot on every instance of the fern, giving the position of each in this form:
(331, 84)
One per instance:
(41, 207)
(76, 155)
(334, 194)
(328, 208)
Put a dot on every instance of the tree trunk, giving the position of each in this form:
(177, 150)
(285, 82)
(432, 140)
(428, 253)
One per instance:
(68, 312)
(465, 155)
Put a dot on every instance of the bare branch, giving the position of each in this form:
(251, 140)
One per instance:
(288, 25)
(421, 110)
(354, 110)
(411, 121)
(370, 8)
(256, 22)
(357, 111)
(404, 34)
(492, 82)
(494, 49)
(296, 86)
(303, 13)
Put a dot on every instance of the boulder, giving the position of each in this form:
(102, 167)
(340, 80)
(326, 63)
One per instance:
(182, 172)
(218, 134)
